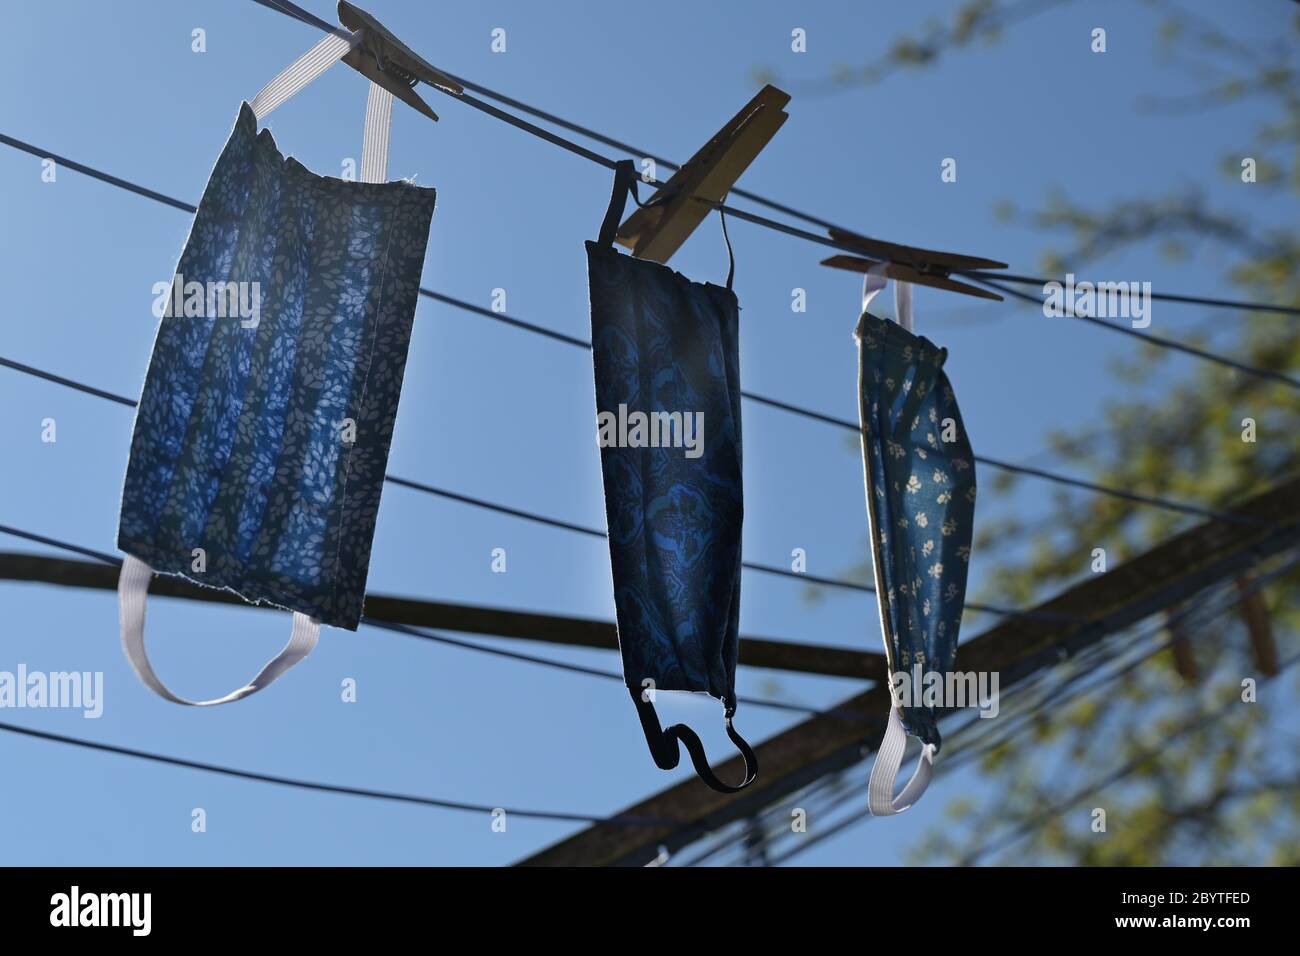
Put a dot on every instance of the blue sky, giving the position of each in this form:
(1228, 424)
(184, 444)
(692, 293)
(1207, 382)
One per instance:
(508, 416)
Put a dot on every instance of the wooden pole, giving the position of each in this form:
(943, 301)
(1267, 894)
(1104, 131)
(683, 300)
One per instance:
(465, 618)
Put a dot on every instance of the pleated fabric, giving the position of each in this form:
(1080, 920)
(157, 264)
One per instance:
(662, 343)
(920, 484)
(240, 445)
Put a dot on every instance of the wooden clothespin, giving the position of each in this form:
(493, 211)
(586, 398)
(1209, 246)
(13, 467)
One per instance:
(912, 264)
(658, 229)
(387, 61)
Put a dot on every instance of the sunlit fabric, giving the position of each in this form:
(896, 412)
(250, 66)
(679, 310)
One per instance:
(263, 439)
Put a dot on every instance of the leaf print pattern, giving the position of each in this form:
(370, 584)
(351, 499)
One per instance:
(664, 343)
(237, 443)
(917, 484)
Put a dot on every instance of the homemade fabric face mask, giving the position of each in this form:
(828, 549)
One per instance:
(262, 433)
(920, 483)
(666, 358)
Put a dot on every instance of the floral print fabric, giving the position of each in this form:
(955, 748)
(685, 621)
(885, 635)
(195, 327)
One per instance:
(920, 481)
(662, 343)
(241, 437)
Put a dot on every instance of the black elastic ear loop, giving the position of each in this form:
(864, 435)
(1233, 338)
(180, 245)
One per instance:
(731, 256)
(624, 181)
(664, 745)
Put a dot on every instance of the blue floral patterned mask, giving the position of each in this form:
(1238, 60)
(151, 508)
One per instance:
(667, 362)
(920, 483)
(261, 441)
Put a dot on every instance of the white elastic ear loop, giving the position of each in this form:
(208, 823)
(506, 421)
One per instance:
(379, 124)
(132, 591)
(889, 758)
(873, 282)
(332, 48)
(379, 107)
(903, 304)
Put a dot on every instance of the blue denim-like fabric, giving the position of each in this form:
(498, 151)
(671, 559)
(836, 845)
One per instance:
(662, 343)
(238, 446)
(921, 501)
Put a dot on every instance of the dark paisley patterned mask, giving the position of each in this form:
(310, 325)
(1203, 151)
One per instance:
(666, 349)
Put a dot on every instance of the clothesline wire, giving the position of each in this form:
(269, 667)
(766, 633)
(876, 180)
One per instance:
(571, 126)
(549, 521)
(558, 523)
(288, 8)
(535, 814)
(439, 638)
(1134, 497)
(1155, 339)
(1159, 296)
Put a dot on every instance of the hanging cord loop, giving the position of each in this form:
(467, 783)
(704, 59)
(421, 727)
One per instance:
(664, 743)
(625, 180)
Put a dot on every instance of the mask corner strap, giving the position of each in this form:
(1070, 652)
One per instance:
(731, 255)
(624, 182)
(903, 304)
(376, 135)
(742, 745)
(328, 50)
(873, 281)
(663, 747)
(884, 772)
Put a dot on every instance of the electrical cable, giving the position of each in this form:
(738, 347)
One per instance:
(556, 522)
(288, 8)
(439, 638)
(964, 758)
(1134, 497)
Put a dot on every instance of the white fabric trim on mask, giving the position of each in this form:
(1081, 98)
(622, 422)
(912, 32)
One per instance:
(874, 280)
(379, 124)
(903, 304)
(132, 592)
(889, 759)
(332, 48)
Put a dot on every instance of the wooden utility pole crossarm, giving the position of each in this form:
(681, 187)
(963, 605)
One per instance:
(466, 618)
(1016, 647)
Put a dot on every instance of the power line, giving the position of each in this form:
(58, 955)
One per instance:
(850, 791)
(542, 519)
(332, 788)
(288, 8)
(1153, 501)
(425, 633)
(1157, 296)
(1157, 340)
(329, 787)
(1134, 497)
(1115, 776)
(1196, 611)
(308, 17)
